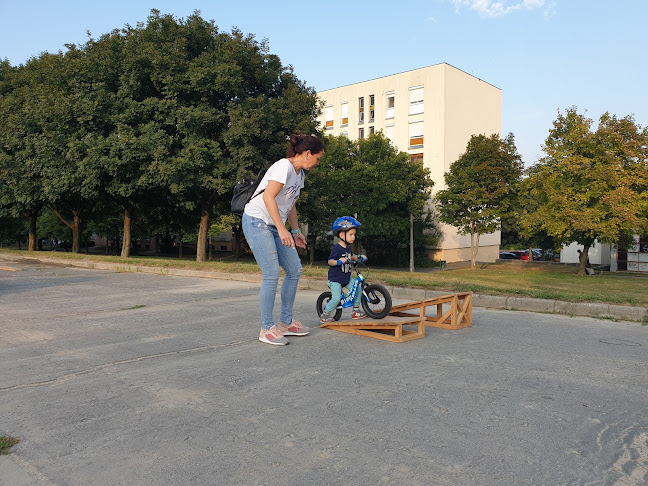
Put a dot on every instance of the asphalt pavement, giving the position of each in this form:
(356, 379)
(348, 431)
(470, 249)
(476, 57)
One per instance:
(145, 379)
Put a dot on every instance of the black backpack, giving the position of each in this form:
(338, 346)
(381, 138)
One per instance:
(244, 191)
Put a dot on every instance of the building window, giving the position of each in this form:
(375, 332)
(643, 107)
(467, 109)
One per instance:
(360, 132)
(635, 257)
(328, 117)
(389, 133)
(418, 158)
(345, 114)
(372, 109)
(390, 105)
(345, 134)
(361, 110)
(371, 130)
(416, 100)
(416, 131)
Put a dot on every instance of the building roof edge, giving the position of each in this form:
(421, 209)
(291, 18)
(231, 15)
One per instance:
(410, 70)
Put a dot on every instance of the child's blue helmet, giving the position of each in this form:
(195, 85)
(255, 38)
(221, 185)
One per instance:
(345, 223)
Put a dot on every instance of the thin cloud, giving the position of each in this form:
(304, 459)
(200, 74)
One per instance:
(491, 9)
(550, 11)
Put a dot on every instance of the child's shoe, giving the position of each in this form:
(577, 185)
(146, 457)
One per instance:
(326, 317)
(295, 329)
(272, 336)
(358, 314)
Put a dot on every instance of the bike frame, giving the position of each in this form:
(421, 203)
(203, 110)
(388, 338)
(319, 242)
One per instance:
(347, 299)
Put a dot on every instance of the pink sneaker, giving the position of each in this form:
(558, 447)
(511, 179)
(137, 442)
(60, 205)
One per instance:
(295, 329)
(272, 336)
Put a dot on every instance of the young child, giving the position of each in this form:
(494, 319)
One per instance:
(339, 274)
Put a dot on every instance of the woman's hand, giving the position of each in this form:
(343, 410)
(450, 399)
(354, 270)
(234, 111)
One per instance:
(300, 240)
(286, 237)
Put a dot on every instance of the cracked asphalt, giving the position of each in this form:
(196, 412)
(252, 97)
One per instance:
(141, 379)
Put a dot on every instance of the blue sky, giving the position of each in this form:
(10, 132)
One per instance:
(545, 55)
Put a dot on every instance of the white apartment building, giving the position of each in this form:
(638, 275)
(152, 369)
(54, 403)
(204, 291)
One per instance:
(430, 113)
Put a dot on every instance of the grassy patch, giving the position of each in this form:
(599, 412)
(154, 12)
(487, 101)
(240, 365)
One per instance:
(139, 306)
(558, 282)
(6, 443)
(551, 281)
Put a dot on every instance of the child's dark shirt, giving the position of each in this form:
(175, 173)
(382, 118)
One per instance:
(340, 273)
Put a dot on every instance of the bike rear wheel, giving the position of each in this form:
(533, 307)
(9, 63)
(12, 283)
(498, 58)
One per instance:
(376, 301)
(324, 299)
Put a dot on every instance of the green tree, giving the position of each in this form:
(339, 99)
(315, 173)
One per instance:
(591, 185)
(517, 234)
(82, 120)
(197, 110)
(137, 152)
(368, 178)
(480, 187)
(12, 229)
(28, 141)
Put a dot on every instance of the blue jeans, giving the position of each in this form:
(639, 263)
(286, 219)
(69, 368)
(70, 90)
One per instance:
(336, 295)
(271, 254)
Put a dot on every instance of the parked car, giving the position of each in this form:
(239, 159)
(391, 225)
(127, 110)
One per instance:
(506, 255)
(538, 254)
(521, 254)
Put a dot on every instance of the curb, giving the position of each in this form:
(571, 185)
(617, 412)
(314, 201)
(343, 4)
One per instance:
(529, 304)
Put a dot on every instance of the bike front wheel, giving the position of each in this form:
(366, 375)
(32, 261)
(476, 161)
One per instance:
(376, 301)
(324, 299)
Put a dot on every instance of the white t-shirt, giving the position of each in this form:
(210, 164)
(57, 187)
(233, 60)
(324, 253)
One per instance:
(283, 172)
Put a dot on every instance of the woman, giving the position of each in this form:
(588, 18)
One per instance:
(264, 226)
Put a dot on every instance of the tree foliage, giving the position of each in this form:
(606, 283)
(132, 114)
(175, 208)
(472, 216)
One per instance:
(169, 111)
(28, 141)
(368, 178)
(480, 185)
(591, 185)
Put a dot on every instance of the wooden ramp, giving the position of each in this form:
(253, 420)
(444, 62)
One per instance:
(458, 315)
(388, 329)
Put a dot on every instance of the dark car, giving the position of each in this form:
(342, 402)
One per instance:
(507, 255)
(520, 254)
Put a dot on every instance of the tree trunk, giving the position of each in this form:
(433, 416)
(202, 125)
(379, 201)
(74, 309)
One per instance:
(411, 267)
(205, 217)
(473, 251)
(583, 260)
(530, 254)
(75, 226)
(33, 216)
(126, 245)
(76, 232)
(210, 248)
